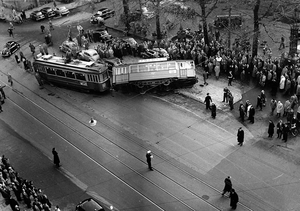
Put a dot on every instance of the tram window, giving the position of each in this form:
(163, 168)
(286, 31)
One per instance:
(50, 71)
(60, 73)
(152, 67)
(143, 68)
(171, 65)
(163, 66)
(134, 68)
(95, 78)
(80, 76)
(70, 74)
(101, 77)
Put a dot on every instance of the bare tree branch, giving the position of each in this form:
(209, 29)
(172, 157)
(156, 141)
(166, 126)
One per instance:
(212, 8)
(266, 13)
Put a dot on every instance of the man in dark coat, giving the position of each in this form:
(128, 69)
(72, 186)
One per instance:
(242, 112)
(285, 131)
(56, 160)
(213, 110)
(207, 101)
(240, 136)
(271, 129)
(230, 100)
(149, 156)
(234, 199)
(251, 114)
(279, 127)
(228, 185)
(259, 103)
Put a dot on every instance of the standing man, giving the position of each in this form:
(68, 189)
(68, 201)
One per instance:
(230, 78)
(279, 127)
(240, 136)
(149, 156)
(251, 114)
(259, 103)
(56, 160)
(228, 185)
(207, 101)
(282, 45)
(50, 25)
(271, 129)
(273, 105)
(230, 100)
(225, 95)
(2, 91)
(234, 199)
(285, 131)
(9, 79)
(42, 28)
(11, 32)
(32, 48)
(213, 110)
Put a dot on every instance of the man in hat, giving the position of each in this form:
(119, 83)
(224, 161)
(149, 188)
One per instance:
(207, 101)
(149, 156)
(228, 185)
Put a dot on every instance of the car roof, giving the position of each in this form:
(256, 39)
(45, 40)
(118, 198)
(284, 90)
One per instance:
(46, 8)
(90, 51)
(90, 205)
(102, 9)
(37, 11)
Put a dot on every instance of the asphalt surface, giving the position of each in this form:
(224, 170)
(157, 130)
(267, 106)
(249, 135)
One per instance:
(32, 164)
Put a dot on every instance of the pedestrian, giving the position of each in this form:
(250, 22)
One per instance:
(1, 104)
(32, 48)
(240, 136)
(205, 76)
(230, 78)
(25, 64)
(13, 203)
(21, 56)
(45, 48)
(149, 156)
(242, 111)
(273, 105)
(41, 50)
(285, 131)
(247, 105)
(56, 160)
(17, 59)
(263, 98)
(93, 122)
(230, 100)
(286, 107)
(271, 129)
(225, 95)
(251, 114)
(9, 79)
(10, 32)
(50, 25)
(2, 91)
(259, 102)
(279, 109)
(42, 28)
(279, 128)
(282, 45)
(228, 185)
(234, 199)
(213, 110)
(207, 101)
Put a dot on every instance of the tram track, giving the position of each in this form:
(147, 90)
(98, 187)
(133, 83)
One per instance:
(135, 142)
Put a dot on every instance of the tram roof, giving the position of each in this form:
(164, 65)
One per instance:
(57, 60)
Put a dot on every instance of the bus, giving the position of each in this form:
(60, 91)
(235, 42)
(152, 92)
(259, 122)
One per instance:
(154, 72)
(82, 75)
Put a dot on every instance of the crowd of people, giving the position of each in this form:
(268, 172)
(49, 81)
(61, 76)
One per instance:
(15, 190)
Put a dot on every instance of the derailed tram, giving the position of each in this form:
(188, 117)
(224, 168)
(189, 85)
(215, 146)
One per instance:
(82, 75)
(155, 72)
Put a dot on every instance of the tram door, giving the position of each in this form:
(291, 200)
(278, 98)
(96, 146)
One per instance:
(182, 69)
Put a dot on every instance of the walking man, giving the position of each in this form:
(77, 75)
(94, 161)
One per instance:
(51, 25)
(42, 28)
(228, 185)
(279, 127)
(234, 199)
(240, 136)
(56, 160)
(207, 101)
(213, 110)
(271, 129)
(2, 91)
(10, 32)
(230, 78)
(149, 156)
(225, 95)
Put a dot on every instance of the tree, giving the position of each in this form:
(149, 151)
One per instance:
(126, 12)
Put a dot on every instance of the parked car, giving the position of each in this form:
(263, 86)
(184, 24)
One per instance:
(88, 55)
(104, 13)
(61, 11)
(155, 53)
(101, 36)
(161, 52)
(131, 41)
(48, 12)
(37, 15)
(91, 205)
(10, 48)
(68, 45)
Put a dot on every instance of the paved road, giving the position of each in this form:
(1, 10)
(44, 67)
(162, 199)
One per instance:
(178, 131)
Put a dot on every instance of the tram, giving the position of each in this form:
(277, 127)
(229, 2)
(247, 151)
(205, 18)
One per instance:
(154, 72)
(82, 75)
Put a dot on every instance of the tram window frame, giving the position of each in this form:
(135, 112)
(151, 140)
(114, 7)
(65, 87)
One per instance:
(60, 73)
(80, 76)
(162, 66)
(105, 75)
(100, 77)
(151, 66)
(70, 74)
(134, 68)
(50, 71)
(143, 68)
(171, 65)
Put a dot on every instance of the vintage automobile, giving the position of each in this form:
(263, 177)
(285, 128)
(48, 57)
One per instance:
(101, 35)
(68, 45)
(155, 53)
(48, 12)
(131, 41)
(88, 55)
(61, 11)
(92, 205)
(10, 48)
(104, 13)
(37, 15)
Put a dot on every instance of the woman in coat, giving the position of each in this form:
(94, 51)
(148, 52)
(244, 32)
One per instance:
(271, 129)
(240, 136)
(279, 109)
(213, 110)
(56, 160)
(234, 199)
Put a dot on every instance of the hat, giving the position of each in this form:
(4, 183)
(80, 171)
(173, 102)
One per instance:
(149, 152)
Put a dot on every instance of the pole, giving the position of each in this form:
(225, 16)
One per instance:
(229, 28)
(140, 3)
